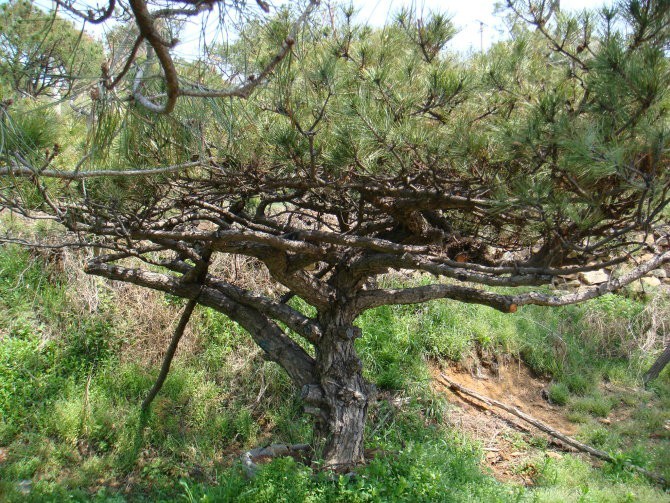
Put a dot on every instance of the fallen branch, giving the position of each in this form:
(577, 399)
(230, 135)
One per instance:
(549, 430)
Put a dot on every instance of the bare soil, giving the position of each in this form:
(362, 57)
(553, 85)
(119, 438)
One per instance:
(512, 448)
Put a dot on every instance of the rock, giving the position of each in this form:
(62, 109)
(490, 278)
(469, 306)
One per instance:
(644, 284)
(646, 238)
(554, 455)
(652, 282)
(24, 486)
(659, 273)
(594, 277)
(569, 285)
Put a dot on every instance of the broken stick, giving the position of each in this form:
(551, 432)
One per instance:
(549, 430)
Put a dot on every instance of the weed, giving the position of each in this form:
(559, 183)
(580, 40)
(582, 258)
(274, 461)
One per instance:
(595, 404)
(70, 388)
(559, 393)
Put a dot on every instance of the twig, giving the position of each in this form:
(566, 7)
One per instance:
(549, 430)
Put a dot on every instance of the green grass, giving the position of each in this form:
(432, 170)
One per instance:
(70, 422)
(559, 393)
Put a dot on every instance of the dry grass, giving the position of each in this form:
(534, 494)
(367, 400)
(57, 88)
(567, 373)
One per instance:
(147, 318)
(646, 332)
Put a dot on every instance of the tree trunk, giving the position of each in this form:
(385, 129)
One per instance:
(658, 365)
(341, 400)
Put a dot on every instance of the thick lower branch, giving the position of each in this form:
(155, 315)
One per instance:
(280, 311)
(505, 303)
(277, 346)
(612, 285)
(375, 298)
(375, 264)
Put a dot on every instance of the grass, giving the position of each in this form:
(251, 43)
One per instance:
(70, 394)
(559, 393)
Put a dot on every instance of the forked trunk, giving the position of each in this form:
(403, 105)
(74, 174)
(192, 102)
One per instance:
(341, 401)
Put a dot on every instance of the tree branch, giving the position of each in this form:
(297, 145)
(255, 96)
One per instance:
(505, 303)
(80, 175)
(374, 298)
(275, 343)
(612, 285)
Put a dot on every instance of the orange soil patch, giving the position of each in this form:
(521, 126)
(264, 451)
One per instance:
(510, 445)
(514, 385)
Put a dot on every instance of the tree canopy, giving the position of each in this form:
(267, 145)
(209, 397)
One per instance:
(372, 150)
(42, 54)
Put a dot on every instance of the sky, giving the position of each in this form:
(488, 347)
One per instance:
(467, 15)
(475, 20)
(477, 25)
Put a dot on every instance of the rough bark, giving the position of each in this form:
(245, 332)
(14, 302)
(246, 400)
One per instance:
(342, 403)
(265, 332)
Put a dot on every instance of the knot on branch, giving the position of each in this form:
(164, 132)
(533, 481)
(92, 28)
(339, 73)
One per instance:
(350, 333)
(313, 394)
(349, 395)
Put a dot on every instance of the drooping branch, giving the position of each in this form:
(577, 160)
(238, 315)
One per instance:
(200, 273)
(169, 354)
(272, 340)
(505, 303)
(658, 366)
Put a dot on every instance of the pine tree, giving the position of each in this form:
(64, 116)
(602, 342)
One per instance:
(373, 150)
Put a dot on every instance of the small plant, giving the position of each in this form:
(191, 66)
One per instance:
(595, 404)
(599, 437)
(579, 383)
(559, 393)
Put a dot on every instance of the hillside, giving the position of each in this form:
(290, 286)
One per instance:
(78, 354)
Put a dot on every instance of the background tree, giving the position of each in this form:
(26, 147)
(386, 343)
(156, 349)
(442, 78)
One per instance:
(373, 150)
(42, 54)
